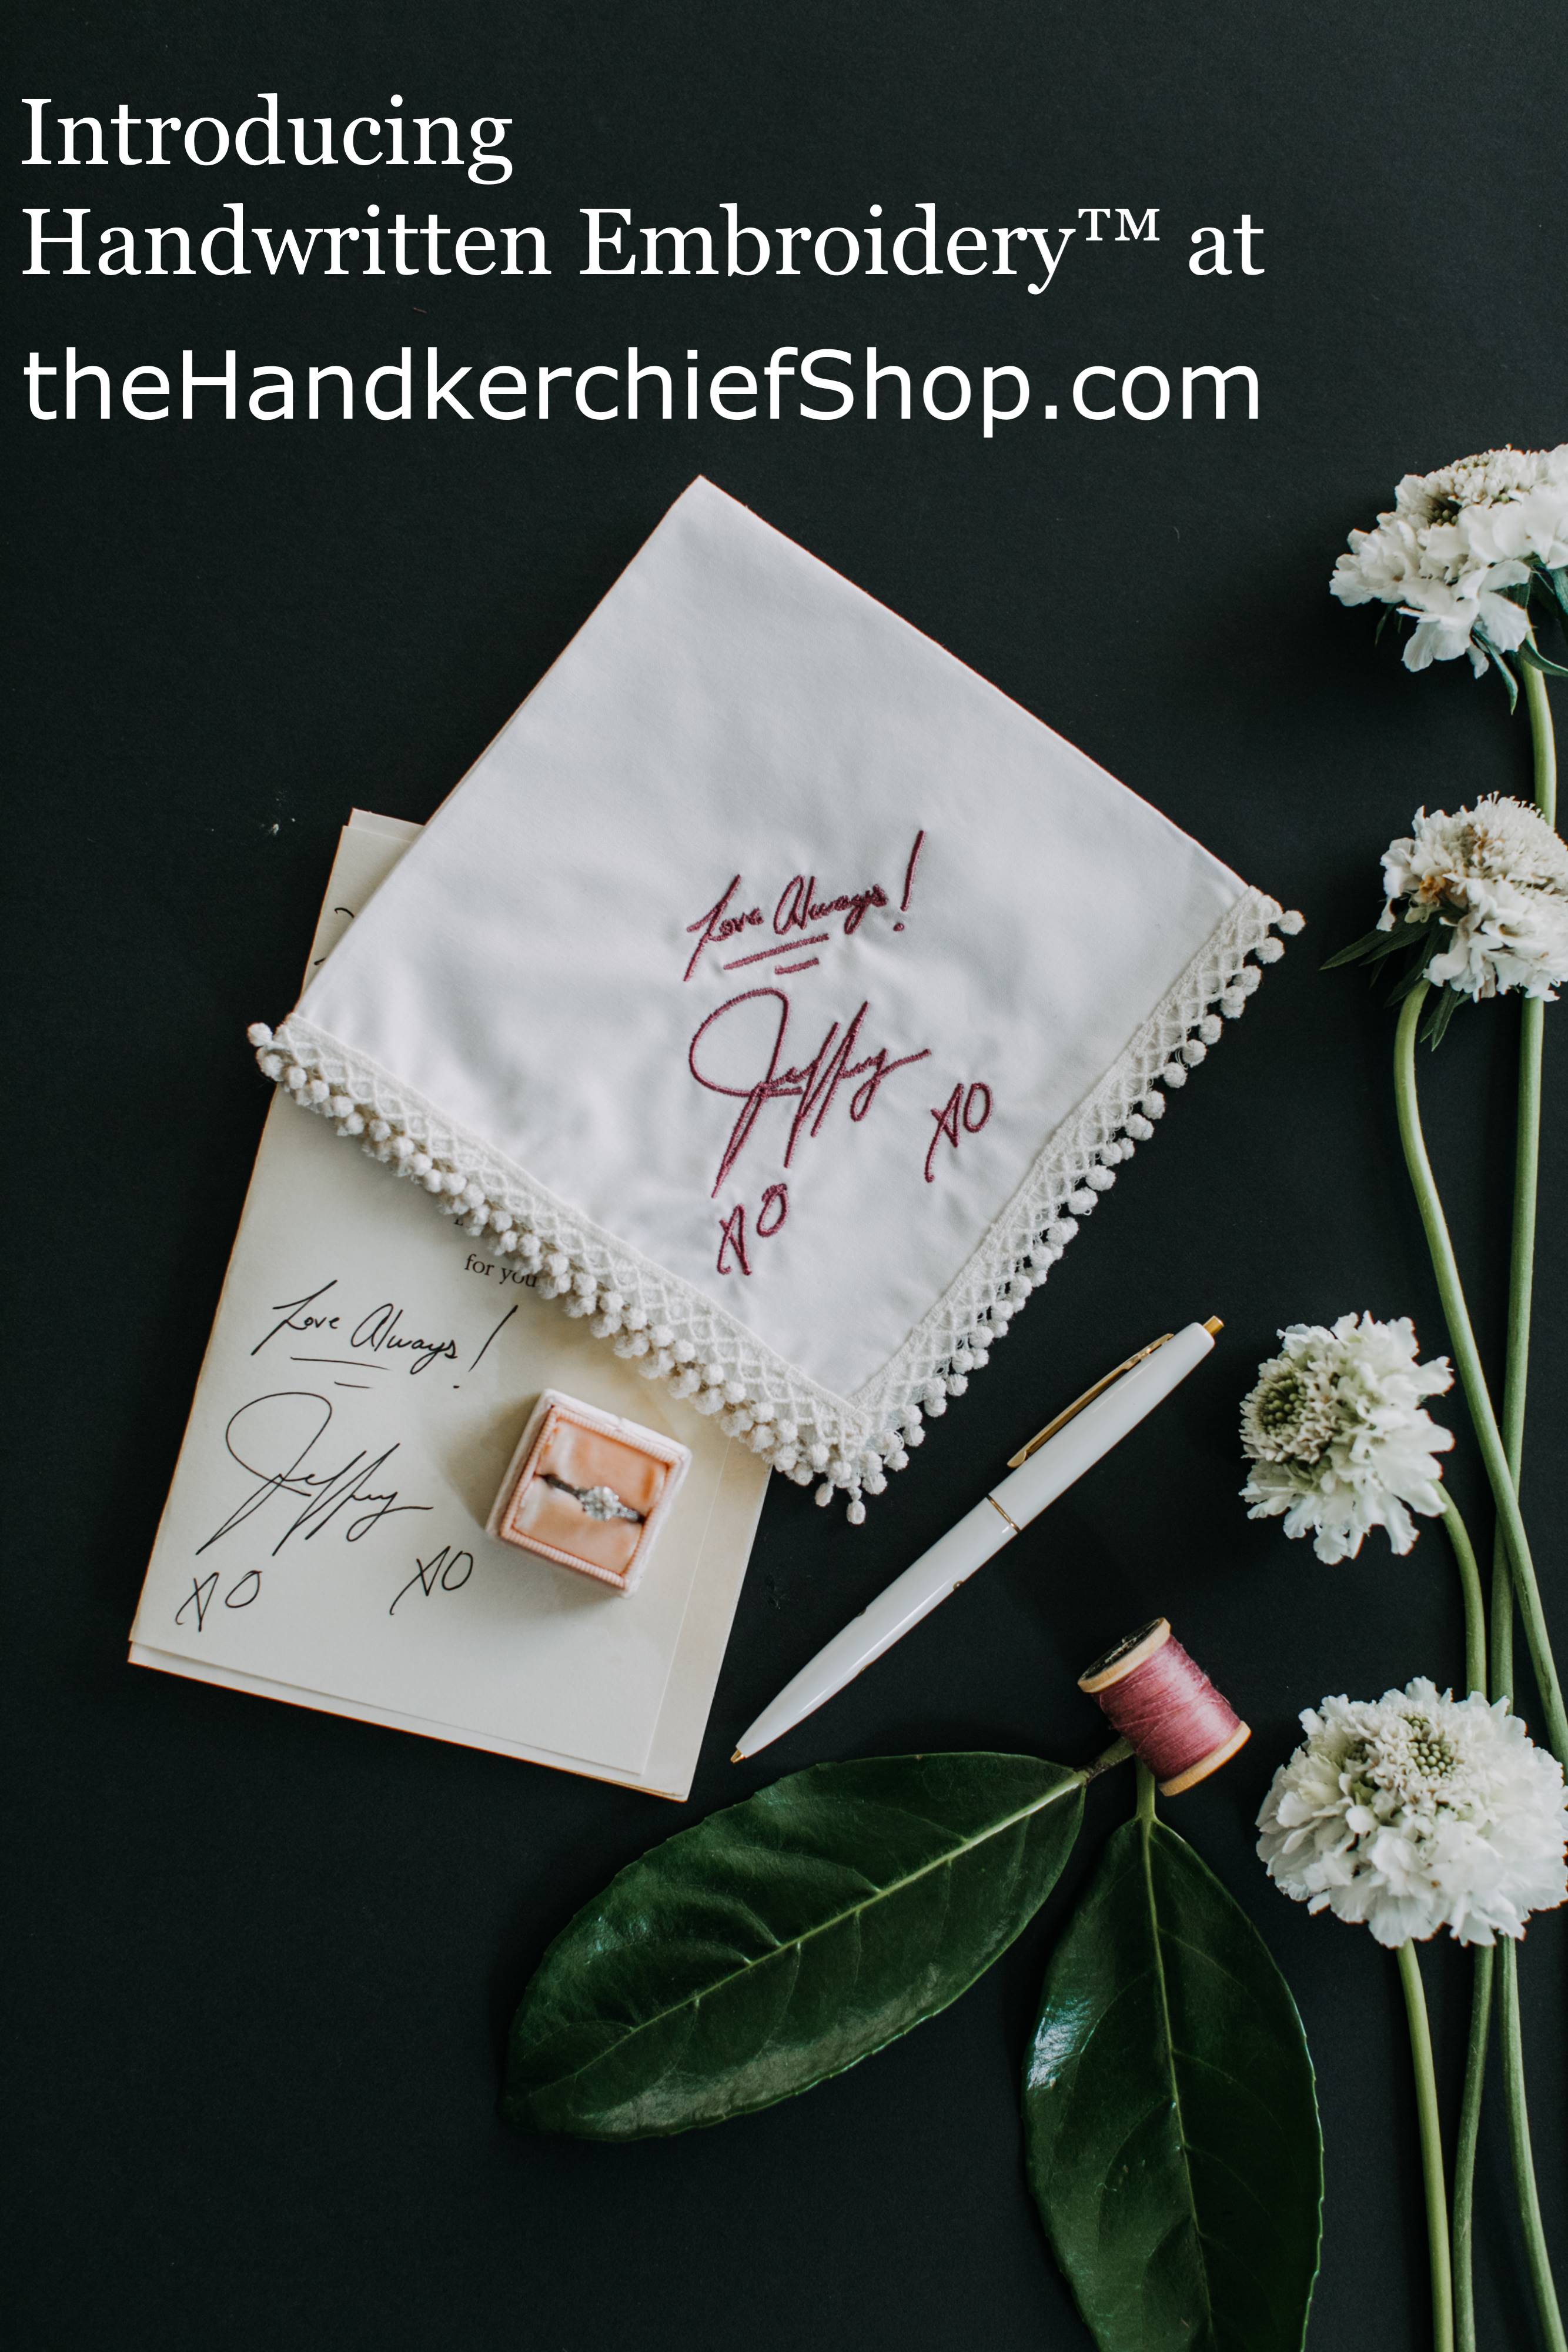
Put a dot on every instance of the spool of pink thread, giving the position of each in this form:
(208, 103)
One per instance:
(1165, 1706)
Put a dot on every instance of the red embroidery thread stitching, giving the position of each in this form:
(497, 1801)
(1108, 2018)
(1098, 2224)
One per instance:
(716, 925)
(953, 1111)
(763, 953)
(816, 1083)
(947, 1121)
(909, 871)
(779, 1195)
(796, 895)
(732, 1236)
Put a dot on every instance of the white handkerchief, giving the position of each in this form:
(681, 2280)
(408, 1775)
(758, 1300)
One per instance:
(782, 991)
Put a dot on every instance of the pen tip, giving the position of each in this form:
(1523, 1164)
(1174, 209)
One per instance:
(739, 1757)
(1213, 1325)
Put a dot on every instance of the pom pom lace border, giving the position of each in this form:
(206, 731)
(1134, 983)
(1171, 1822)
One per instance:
(676, 1334)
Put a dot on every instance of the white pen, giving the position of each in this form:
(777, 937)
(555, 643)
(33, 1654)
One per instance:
(1042, 1470)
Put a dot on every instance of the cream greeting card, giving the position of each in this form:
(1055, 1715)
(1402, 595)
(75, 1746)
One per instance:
(369, 1374)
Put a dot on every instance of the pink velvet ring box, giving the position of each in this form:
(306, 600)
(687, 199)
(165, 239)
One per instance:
(588, 1490)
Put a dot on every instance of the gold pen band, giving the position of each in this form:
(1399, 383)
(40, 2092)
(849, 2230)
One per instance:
(1011, 1521)
(1213, 1326)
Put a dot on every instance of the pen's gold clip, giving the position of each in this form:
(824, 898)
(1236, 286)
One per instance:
(1016, 1461)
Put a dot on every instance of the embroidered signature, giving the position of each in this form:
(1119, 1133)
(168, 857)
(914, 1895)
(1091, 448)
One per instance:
(811, 1085)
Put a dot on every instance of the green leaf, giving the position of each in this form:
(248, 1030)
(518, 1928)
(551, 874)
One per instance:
(1446, 1003)
(1374, 944)
(1494, 656)
(782, 1940)
(1409, 981)
(1538, 660)
(1432, 940)
(1551, 586)
(1371, 943)
(1170, 2116)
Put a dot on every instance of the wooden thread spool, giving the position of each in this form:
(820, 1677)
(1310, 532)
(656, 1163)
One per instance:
(1164, 1706)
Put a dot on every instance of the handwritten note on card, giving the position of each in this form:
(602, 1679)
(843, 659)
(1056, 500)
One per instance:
(367, 1375)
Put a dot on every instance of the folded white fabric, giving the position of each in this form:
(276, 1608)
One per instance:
(779, 992)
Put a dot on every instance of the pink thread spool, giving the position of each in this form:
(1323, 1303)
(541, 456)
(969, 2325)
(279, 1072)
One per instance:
(1165, 1706)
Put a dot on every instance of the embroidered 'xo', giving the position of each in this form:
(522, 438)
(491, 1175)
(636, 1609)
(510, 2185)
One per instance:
(772, 1210)
(964, 1112)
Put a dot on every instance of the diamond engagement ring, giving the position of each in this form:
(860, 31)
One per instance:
(598, 1502)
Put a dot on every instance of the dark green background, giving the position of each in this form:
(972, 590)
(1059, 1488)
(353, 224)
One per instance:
(263, 1958)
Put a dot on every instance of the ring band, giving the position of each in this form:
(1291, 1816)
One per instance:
(598, 1502)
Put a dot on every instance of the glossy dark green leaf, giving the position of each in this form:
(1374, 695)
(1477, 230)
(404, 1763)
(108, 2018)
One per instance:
(783, 1940)
(1536, 659)
(1171, 2121)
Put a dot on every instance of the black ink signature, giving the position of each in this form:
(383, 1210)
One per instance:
(287, 1435)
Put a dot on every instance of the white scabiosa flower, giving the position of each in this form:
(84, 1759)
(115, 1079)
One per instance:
(1496, 877)
(1337, 1436)
(1452, 547)
(1417, 1811)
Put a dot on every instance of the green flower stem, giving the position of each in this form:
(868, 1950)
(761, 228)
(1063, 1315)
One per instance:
(1542, 745)
(1431, 2149)
(1538, 2259)
(1471, 1378)
(1526, 1164)
(1522, 1266)
(1471, 1587)
(1520, 1287)
(1480, 1998)
(1465, 2151)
